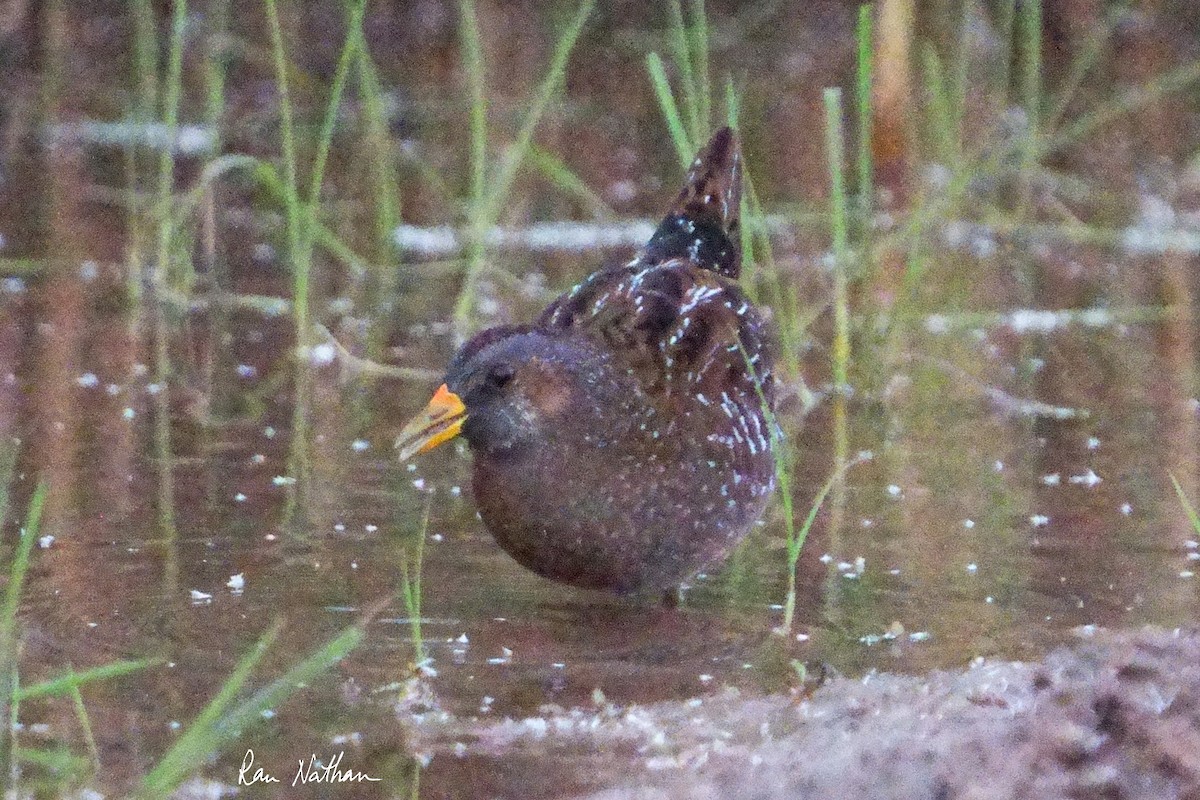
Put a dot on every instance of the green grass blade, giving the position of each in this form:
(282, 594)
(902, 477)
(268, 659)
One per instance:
(866, 169)
(472, 46)
(703, 99)
(18, 570)
(166, 160)
(198, 740)
(278, 691)
(71, 681)
(1128, 102)
(681, 52)
(85, 724)
(835, 150)
(666, 102)
(346, 59)
(566, 181)
(291, 191)
(485, 210)
(1188, 508)
(514, 156)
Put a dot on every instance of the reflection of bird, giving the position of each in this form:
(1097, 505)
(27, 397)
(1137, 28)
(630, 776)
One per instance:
(621, 441)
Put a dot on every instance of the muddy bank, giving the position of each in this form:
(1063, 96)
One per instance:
(1114, 715)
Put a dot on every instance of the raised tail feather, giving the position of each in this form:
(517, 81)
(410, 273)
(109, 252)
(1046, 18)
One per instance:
(702, 225)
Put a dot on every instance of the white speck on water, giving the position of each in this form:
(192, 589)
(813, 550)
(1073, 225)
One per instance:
(1126, 509)
(283, 480)
(199, 597)
(937, 324)
(44, 542)
(1053, 479)
(1039, 520)
(537, 726)
(1088, 479)
(128, 413)
(263, 252)
(237, 582)
(359, 445)
(239, 498)
(968, 524)
(247, 371)
(322, 355)
(88, 380)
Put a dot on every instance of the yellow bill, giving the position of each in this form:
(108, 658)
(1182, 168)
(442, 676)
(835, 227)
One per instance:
(438, 423)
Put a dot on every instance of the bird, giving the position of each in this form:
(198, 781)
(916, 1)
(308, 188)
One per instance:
(624, 439)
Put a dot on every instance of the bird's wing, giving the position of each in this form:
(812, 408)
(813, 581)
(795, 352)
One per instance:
(683, 330)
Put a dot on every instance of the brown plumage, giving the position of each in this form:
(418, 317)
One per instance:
(620, 441)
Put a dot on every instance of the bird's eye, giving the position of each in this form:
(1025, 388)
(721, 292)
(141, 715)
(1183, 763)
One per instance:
(501, 375)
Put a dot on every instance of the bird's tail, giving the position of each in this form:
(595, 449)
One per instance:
(703, 223)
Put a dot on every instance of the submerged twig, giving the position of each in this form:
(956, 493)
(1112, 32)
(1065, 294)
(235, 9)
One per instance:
(353, 367)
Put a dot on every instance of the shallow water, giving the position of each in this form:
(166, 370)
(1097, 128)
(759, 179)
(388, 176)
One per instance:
(1019, 483)
(975, 529)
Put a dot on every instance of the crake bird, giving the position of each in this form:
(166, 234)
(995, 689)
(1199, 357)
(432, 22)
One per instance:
(621, 441)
